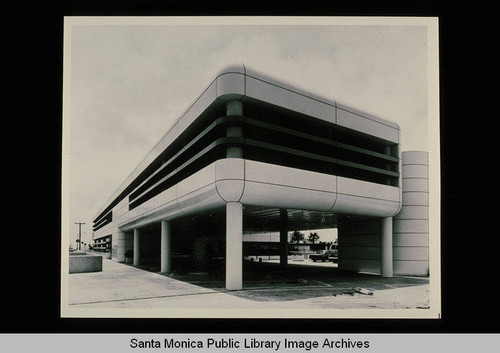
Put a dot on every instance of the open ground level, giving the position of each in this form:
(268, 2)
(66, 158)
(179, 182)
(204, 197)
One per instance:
(299, 288)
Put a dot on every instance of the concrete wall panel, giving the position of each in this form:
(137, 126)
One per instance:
(106, 230)
(136, 213)
(413, 212)
(230, 190)
(289, 99)
(410, 239)
(415, 157)
(236, 68)
(120, 209)
(200, 200)
(373, 192)
(279, 175)
(165, 199)
(274, 174)
(367, 115)
(411, 253)
(230, 85)
(415, 171)
(162, 205)
(361, 123)
(415, 184)
(411, 226)
(277, 186)
(198, 180)
(359, 245)
(415, 198)
(262, 194)
(357, 205)
(365, 198)
(411, 268)
(358, 266)
(366, 189)
(274, 81)
(230, 168)
(229, 176)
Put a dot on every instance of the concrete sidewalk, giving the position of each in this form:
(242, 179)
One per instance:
(299, 287)
(123, 286)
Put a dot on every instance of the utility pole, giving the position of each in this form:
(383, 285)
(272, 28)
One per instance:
(79, 235)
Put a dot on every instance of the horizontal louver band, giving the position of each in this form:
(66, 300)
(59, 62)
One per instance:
(98, 224)
(333, 157)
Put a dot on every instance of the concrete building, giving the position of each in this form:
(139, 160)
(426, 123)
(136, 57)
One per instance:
(253, 154)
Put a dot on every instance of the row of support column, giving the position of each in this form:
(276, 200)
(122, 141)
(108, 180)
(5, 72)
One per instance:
(234, 248)
(165, 247)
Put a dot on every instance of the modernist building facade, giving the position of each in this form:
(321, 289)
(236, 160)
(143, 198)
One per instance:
(255, 154)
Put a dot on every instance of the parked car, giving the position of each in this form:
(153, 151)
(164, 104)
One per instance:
(325, 255)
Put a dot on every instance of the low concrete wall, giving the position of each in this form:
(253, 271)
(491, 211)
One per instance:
(85, 263)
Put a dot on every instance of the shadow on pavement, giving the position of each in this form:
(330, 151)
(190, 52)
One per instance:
(269, 282)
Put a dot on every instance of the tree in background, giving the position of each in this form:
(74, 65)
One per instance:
(297, 236)
(313, 237)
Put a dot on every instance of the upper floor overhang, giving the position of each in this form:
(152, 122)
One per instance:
(262, 185)
(271, 110)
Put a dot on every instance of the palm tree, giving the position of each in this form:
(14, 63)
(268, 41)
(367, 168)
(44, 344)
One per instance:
(313, 237)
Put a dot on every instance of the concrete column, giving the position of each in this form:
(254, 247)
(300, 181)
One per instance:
(234, 108)
(137, 247)
(283, 238)
(234, 245)
(386, 248)
(165, 247)
(118, 246)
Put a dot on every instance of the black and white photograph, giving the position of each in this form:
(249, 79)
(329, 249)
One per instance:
(250, 167)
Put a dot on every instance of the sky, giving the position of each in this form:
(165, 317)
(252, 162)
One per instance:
(126, 84)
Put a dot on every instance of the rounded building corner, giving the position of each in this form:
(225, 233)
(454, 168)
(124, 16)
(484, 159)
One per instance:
(232, 68)
(231, 83)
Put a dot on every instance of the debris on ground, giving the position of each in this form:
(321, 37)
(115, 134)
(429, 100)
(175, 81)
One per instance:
(363, 291)
(343, 292)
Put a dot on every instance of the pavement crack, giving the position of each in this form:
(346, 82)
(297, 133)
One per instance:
(145, 298)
